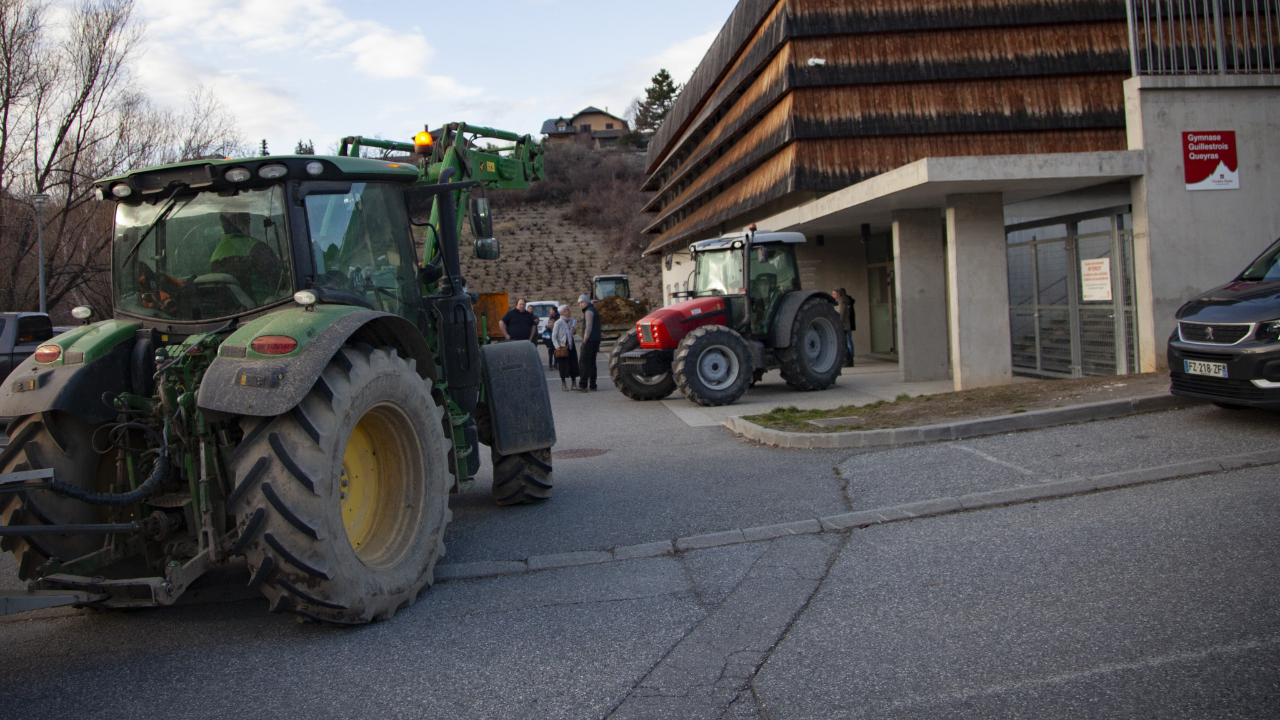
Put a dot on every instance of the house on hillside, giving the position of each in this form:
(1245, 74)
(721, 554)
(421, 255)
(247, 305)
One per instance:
(603, 128)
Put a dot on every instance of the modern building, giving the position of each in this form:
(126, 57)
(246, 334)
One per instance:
(1002, 185)
(601, 127)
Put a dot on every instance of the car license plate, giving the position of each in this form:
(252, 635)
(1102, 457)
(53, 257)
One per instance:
(1212, 369)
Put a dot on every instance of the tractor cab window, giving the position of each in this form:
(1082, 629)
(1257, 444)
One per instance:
(612, 286)
(772, 275)
(719, 273)
(201, 256)
(361, 246)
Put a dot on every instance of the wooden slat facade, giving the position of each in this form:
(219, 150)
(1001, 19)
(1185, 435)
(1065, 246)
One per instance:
(902, 79)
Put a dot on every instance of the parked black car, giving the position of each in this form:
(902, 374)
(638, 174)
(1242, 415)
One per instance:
(1227, 345)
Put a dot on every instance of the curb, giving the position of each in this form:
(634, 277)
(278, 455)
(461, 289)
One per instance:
(892, 437)
(864, 518)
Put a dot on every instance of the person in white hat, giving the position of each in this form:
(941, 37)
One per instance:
(566, 360)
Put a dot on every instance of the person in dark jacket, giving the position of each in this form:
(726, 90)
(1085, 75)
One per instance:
(848, 322)
(519, 324)
(590, 345)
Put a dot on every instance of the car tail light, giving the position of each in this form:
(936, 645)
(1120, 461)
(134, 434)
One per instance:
(48, 353)
(274, 345)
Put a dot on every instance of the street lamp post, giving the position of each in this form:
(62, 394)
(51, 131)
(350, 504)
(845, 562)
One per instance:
(39, 199)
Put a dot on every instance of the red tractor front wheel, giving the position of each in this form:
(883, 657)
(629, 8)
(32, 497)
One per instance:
(712, 365)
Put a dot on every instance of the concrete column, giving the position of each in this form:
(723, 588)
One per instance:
(920, 273)
(978, 283)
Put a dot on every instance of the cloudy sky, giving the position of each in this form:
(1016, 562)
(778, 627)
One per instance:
(322, 69)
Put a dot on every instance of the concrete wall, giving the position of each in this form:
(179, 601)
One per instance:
(978, 291)
(920, 283)
(840, 262)
(1187, 242)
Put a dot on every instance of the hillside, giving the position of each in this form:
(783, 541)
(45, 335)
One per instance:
(546, 257)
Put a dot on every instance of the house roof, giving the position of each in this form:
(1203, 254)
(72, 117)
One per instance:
(593, 110)
(549, 127)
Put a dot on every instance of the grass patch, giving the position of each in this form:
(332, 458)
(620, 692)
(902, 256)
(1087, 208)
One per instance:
(907, 411)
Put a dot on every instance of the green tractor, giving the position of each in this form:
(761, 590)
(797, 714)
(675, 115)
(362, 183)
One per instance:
(282, 380)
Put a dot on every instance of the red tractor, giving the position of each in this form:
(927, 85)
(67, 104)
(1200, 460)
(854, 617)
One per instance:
(746, 315)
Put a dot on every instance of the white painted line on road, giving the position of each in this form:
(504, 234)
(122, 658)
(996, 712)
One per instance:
(1089, 674)
(991, 458)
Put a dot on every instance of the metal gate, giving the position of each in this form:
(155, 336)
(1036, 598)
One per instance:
(1071, 295)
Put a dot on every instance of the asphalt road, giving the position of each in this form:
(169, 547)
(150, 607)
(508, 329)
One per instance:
(1155, 601)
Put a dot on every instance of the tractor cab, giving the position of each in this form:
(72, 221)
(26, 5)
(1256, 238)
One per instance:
(207, 241)
(602, 286)
(751, 271)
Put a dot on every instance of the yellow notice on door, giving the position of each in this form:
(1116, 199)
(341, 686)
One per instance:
(1095, 280)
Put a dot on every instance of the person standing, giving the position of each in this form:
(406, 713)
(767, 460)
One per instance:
(518, 323)
(563, 347)
(546, 337)
(848, 322)
(590, 345)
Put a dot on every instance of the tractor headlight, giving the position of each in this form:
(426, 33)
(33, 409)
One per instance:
(98, 194)
(121, 190)
(305, 298)
(271, 172)
(83, 312)
(236, 175)
(314, 168)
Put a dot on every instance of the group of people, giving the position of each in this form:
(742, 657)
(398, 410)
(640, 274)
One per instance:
(576, 361)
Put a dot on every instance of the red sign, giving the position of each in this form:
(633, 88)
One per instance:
(1210, 160)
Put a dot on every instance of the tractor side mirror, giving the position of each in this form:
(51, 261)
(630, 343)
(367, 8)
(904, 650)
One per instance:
(487, 248)
(481, 220)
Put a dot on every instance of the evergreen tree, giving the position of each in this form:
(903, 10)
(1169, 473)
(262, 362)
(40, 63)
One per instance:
(307, 148)
(659, 97)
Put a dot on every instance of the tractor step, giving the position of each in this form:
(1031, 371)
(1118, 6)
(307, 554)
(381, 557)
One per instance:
(647, 362)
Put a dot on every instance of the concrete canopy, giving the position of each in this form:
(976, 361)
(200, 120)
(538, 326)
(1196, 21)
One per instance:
(926, 183)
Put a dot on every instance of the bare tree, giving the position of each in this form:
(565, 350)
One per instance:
(71, 115)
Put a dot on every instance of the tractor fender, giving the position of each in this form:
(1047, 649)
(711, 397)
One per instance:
(787, 309)
(242, 382)
(519, 406)
(95, 360)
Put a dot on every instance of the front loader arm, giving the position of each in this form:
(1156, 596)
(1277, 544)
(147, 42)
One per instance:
(510, 167)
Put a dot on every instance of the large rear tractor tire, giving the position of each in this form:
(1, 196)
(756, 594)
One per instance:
(712, 365)
(637, 387)
(521, 478)
(342, 503)
(817, 348)
(62, 442)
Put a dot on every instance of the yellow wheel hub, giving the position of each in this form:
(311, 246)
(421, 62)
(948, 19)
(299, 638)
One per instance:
(374, 483)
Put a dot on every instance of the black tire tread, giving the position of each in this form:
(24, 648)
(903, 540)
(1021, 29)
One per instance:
(522, 478)
(795, 369)
(684, 374)
(622, 380)
(295, 550)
